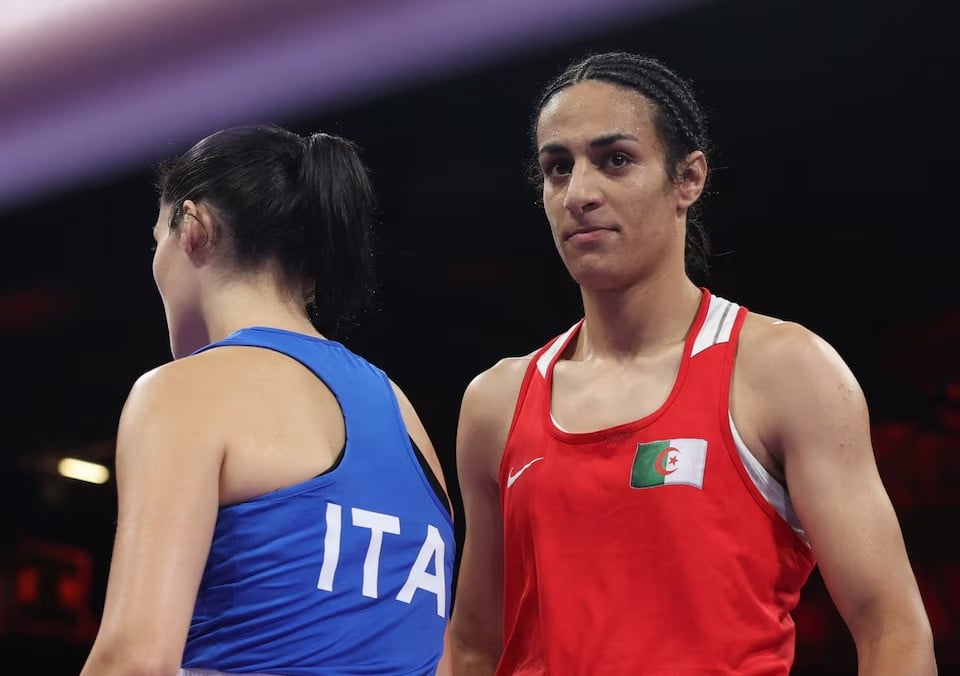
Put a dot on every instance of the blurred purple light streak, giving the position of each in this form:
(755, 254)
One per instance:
(123, 86)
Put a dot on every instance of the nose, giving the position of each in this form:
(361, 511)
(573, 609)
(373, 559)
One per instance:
(583, 190)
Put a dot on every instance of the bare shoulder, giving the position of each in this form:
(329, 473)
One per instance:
(181, 392)
(792, 377)
(222, 372)
(496, 389)
(486, 414)
(165, 420)
(775, 350)
(506, 374)
(176, 384)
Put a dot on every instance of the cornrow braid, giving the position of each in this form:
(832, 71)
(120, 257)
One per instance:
(679, 121)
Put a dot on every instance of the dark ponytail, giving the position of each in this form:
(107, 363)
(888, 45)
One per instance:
(306, 203)
(339, 208)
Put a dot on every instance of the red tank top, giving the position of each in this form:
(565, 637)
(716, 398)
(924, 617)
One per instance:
(645, 548)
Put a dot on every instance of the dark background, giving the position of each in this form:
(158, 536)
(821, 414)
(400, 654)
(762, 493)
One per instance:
(831, 204)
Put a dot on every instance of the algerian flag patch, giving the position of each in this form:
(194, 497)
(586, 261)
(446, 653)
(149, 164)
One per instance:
(675, 461)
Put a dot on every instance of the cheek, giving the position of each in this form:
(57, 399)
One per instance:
(553, 221)
(553, 208)
(157, 268)
(647, 206)
(163, 269)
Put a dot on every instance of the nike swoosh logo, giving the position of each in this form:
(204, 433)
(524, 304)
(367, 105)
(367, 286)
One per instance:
(511, 478)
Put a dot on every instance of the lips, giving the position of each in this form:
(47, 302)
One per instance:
(587, 232)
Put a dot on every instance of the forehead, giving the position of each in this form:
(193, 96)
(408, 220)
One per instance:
(592, 108)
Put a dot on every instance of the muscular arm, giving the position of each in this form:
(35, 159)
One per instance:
(485, 416)
(168, 466)
(816, 422)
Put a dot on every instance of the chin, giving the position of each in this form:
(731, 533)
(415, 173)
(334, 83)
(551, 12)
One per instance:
(598, 277)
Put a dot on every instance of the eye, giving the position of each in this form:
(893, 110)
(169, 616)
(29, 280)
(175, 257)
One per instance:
(618, 160)
(559, 167)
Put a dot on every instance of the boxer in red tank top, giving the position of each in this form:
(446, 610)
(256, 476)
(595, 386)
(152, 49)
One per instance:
(648, 492)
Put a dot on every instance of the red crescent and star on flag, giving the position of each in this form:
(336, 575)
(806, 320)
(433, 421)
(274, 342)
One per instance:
(664, 459)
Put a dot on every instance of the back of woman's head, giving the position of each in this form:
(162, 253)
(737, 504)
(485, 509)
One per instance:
(305, 203)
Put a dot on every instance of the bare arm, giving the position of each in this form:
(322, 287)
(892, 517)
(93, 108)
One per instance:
(445, 666)
(168, 465)
(485, 416)
(419, 434)
(816, 421)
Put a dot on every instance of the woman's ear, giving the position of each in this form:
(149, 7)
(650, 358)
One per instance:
(692, 179)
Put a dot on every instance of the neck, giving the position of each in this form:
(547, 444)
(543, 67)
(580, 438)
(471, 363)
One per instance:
(237, 304)
(639, 319)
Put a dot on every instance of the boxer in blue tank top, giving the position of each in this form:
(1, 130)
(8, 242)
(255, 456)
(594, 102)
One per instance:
(281, 508)
(361, 555)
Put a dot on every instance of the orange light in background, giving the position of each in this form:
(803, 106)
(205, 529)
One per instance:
(82, 470)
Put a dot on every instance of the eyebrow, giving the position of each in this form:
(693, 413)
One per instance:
(599, 142)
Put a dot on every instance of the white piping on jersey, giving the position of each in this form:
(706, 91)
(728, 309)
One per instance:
(771, 489)
(543, 363)
(556, 424)
(717, 326)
